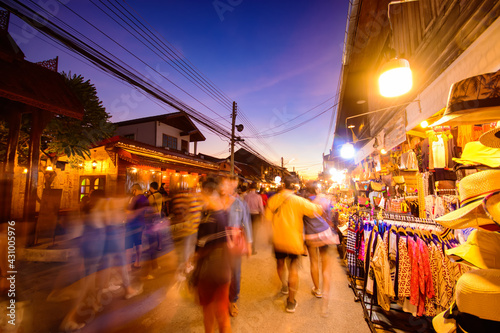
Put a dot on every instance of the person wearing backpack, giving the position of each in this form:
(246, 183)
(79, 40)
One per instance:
(286, 210)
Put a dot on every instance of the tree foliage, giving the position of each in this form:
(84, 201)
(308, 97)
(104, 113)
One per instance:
(73, 137)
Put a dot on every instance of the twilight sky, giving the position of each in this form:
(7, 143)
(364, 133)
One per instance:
(276, 59)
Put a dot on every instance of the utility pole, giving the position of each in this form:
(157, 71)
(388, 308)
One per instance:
(234, 139)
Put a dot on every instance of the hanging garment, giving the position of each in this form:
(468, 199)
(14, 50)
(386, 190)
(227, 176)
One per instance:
(414, 255)
(412, 162)
(447, 282)
(351, 248)
(439, 207)
(360, 272)
(380, 265)
(425, 278)
(372, 243)
(424, 153)
(404, 269)
(393, 257)
(431, 304)
(439, 153)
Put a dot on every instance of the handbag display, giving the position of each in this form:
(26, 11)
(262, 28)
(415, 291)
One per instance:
(377, 187)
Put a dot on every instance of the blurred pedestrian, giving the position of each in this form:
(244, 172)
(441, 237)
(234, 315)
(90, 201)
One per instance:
(285, 210)
(155, 202)
(92, 251)
(136, 210)
(114, 250)
(239, 218)
(319, 237)
(186, 207)
(263, 194)
(212, 274)
(256, 208)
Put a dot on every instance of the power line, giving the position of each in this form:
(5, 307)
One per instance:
(300, 115)
(297, 125)
(167, 52)
(115, 67)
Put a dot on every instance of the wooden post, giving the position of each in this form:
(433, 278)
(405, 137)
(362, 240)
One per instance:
(10, 163)
(39, 120)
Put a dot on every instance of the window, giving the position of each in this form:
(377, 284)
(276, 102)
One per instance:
(185, 146)
(169, 141)
(85, 187)
(129, 136)
(90, 183)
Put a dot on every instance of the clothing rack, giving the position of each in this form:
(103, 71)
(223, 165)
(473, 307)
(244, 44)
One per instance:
(362, 294)
(447, 191)
(408, 218)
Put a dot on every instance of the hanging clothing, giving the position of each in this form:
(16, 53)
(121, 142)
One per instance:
(380, 265)
(439, 153)
(404, 269)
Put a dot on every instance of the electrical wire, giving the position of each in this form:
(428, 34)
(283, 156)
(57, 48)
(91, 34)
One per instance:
(113, 66)
(297, 125)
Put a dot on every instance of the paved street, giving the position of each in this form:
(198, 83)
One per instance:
(168, 307)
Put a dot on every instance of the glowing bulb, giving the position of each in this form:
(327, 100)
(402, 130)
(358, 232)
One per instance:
(94, 164)
(347, 151)
(396, 78)
(25, 170)
(424, 124)
(277, 179)
(49, 168)
(383, 151)
(134, 170)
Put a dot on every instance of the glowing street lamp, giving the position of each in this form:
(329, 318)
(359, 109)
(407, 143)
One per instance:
(347, 151)
(396, 78)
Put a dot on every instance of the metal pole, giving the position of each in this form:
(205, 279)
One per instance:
(232, 138)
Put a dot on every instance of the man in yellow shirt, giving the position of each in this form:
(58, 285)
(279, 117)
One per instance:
(286, 210)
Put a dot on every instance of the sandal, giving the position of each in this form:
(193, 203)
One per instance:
(233, 309)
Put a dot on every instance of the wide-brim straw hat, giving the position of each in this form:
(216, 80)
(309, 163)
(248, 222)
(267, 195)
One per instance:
(491, 138)
(478, 297)
(491, 205)
(473, 189)
(472, 101)
(481, 250)
(476, 153)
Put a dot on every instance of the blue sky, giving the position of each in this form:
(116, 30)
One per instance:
(276, 59)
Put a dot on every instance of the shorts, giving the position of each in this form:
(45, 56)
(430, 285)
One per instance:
(284, 255)
(133, 237)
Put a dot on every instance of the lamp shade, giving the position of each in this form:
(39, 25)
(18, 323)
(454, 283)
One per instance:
(396, 78)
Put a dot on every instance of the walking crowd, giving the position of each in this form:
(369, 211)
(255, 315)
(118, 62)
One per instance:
(211, 229)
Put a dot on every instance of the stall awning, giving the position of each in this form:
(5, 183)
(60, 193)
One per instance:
(140, 154)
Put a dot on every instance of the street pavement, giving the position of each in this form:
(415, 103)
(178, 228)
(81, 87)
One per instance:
(167, 306)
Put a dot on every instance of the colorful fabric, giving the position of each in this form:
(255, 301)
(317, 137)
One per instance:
(381, 269)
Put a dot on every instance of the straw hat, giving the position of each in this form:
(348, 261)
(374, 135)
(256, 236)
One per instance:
(473, 189)
(472, 101)
(477, 153)
(491, 138)
(491, 205)
(482, 250)
(476, 306)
